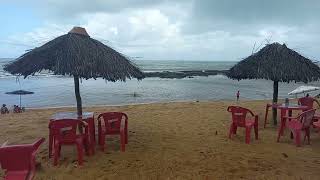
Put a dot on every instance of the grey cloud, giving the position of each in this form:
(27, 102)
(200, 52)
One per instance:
(67, 9)
(217, 14)
(258, 10)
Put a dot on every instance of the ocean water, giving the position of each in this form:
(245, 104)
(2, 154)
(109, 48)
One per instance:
(56, 91)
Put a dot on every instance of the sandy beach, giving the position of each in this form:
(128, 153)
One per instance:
(185, 140)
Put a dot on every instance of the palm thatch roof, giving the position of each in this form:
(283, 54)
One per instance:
(276, 62)
(77, 54)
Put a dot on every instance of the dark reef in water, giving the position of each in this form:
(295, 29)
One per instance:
(184, 74)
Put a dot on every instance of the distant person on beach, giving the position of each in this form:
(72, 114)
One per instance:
(238, 95)
(4, 109)
(15, 109)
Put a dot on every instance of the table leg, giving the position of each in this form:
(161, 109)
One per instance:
(282, 124)
(283, 121)
(290, 114)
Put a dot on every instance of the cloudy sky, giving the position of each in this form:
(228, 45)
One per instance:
(217, 30)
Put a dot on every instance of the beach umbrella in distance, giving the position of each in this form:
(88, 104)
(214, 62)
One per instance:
(303, 89)
(278, 63)
(20, 92)
(76, 54)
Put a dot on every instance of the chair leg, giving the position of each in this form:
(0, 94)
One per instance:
(256, 131)
(100, 136)
(56, 154)
(256, 127)
(291, 135)
(297, 137)
(126, 136)
(91, 145)
(59, 151)
(123, 142)
(307, 134)
(102, 142)
(235, 129)
(279, 133)
(281, 129)
(248, 131)
(87, 147)
(231, 130)
(51, 142)
(99, 139)
(80, 153)
(126, 131)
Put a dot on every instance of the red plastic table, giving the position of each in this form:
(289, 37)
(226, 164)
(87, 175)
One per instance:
(86, 116)
(286, 110)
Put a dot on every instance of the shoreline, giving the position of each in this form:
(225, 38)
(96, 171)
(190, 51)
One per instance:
(157, 103)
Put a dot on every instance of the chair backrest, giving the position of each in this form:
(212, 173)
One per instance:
(64, 129)
(19, 157)
(112, 120)
(306, 101)
(239, 115)
(306, 118)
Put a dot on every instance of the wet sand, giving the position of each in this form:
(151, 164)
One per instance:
(185, 140)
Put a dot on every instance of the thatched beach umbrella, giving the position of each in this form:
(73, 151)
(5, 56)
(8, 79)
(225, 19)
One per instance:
(78, 55)
(278, 63)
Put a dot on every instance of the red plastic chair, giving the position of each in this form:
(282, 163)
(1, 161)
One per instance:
(298, 124)
(306, 101)
(115, 123)
(239, 119)
(64, 132)
(19, 161)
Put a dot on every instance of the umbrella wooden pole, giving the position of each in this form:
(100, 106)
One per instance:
(275, 100)
(77, 93)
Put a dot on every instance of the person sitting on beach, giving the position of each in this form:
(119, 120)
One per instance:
(308, 101)
(16, 109)
(4, 109)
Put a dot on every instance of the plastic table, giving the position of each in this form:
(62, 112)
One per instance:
(285, 110)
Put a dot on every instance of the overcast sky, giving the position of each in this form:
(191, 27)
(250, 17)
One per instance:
(217, 30)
